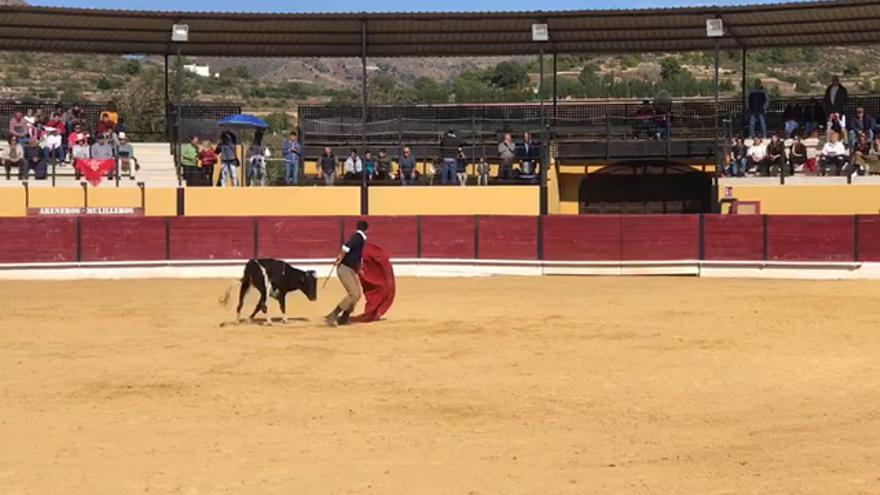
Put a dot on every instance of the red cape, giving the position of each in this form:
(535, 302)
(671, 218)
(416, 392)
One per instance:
(377, 280)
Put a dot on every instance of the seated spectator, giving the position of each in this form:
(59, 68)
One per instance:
(327, 166)
(861, 152)
(370, 166)
(529, 153)
(207, 161)
(407, 166)
(833, 156)
(353, 168)
(792, 117)
(482, 172)
(644, 116)
(662, 119)
(837, 125)
(383, 164)
(58, 124)
(33, 160)
(757, 158)
(102, 150)
(461, 168)
(128, 164)
(106, 124)
(18, 127)
(257, 173)
(78, 143)
(814, 117)
(862, 123)
(507, 153)
(869, 159)
(797, 155)
(51, 144)
(739, 162)
(776, 156)
(12, 156)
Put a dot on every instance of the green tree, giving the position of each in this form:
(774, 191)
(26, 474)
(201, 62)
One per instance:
(670, 68)
(810, 54)
(103, 84)
(426, 90)
(509, 75)
(803, 85)
(71, 91)
(143, 104)
(852, 68)
(278, 121)
(131, 67)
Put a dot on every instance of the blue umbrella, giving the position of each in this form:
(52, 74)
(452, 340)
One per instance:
(244, 120)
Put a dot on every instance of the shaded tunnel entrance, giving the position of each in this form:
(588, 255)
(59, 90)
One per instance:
(646, 187)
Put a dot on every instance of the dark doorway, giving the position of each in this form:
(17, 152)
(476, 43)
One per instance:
(646, 187)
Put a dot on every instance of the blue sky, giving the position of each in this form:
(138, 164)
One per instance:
(379, 5)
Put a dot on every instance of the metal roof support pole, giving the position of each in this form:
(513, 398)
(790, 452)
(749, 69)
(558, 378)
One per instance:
(365, 194)
(545, 143)
(167, 117)
(177, 97)
(719, 160)
(555, 94)
(745, 94)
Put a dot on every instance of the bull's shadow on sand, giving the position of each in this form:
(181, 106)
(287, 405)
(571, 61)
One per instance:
(264, 321)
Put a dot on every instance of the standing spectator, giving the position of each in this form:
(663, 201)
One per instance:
(529, 154)
(739, 163)
(128, 164)
(13, 156)
(449, 146)
(18, 127)
(383, 164)
(327, 166)
(776, 155)
(507, 153)
(757, 157)
(292, 151)
(407, 165)
(257, 173)
(461, 168)
(862, 123)
(833, 155)
(353, 167)
(189, 161)
(228, 158)
(369, 166)
(797, 155)
(836, 97)
(483, 172)
(207, 160)
(645, 119)
(792, 117)
(758, 101)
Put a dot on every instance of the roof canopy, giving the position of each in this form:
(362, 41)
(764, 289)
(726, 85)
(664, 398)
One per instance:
(817, 24)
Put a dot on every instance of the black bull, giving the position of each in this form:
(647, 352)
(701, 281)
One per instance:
(274, 278)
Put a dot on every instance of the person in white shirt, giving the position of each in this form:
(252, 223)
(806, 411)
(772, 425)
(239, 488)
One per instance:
(51, 141)
(757, 158)
(353, 166)
(833, 155)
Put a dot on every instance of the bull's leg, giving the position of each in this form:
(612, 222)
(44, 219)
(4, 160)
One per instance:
(245, 285)
(282, 303)
(260, 284)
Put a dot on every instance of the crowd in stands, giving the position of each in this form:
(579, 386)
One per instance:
(198, 159)
(848, 144)
(38, 140)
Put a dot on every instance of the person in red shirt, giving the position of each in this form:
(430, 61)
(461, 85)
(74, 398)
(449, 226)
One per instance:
(105, 125)
(207, 160)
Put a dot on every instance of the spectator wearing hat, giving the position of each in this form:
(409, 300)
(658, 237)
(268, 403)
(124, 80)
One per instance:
(228, 158)
(58, 123)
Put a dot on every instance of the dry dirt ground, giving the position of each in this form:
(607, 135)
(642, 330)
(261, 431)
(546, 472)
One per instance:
(470, 386)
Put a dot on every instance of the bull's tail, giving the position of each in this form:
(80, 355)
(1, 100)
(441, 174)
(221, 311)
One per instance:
(224, 299)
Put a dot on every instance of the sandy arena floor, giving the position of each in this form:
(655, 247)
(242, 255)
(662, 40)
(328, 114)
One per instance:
(471, 386)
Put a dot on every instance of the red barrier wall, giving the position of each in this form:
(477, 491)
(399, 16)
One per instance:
(299, 237)
(660, 237)
(398, 236)
(869, 238)
(810, 238)
(734, 237)
(122, 239)
(38, 240)
(587, 237)
(447, 237)
(200, 238)
(508, 238)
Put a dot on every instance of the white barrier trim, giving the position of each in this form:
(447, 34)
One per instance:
(439, 267)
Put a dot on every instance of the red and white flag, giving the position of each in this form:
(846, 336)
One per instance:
(94, 170)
